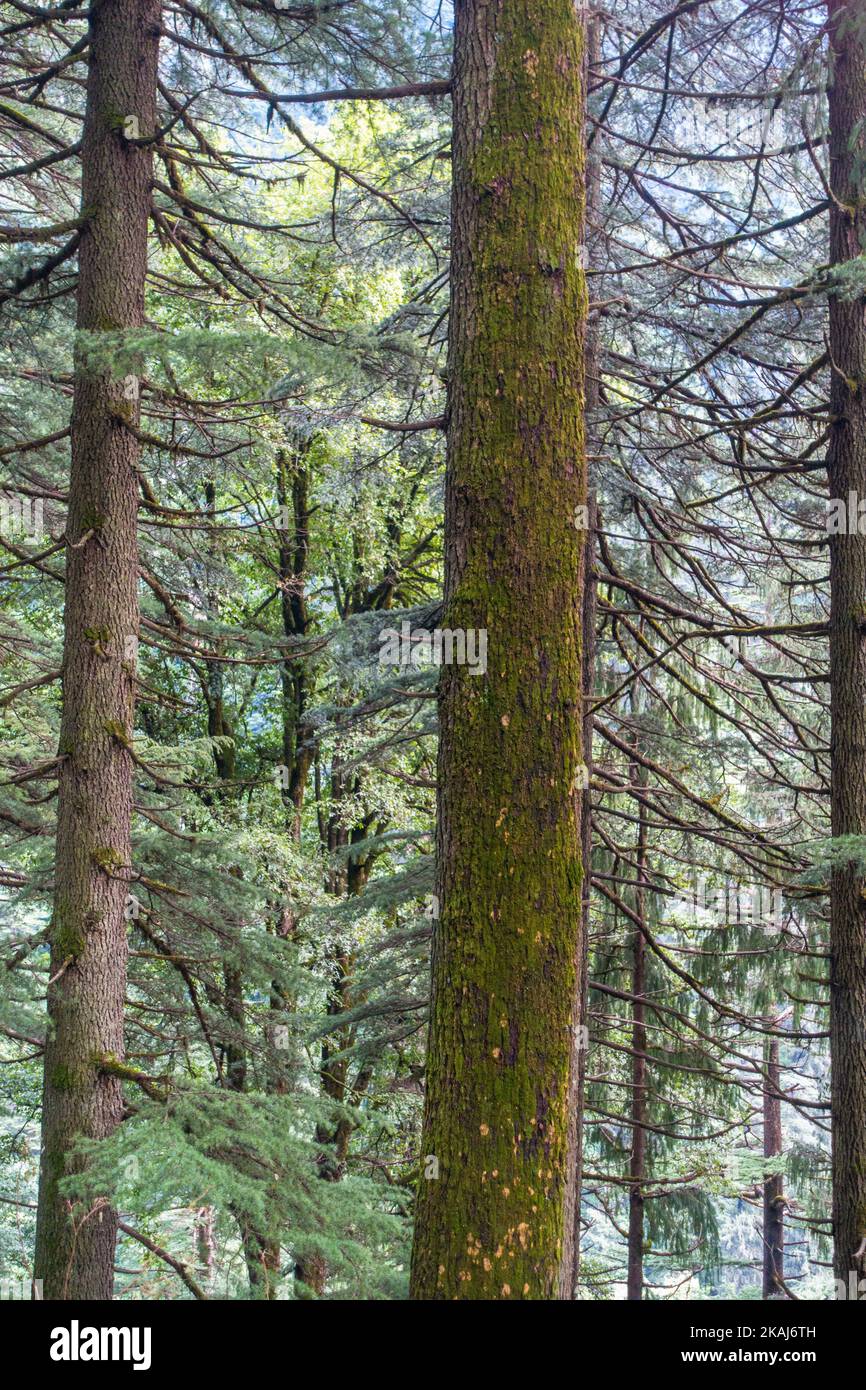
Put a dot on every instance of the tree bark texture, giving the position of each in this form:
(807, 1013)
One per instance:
(75, 1251)
(846, 466)
(507, 944)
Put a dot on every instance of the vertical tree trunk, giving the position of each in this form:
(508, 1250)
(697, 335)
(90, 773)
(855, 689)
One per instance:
(205, 1245)
(592, 370)
(491, 1226)
(574, 1176)
(293, 499)
(847, 473)
(335, 1079)
(638, 1108)
(88, 931)
(774, 1187)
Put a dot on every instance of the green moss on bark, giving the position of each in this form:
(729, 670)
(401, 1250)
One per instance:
(505, 958)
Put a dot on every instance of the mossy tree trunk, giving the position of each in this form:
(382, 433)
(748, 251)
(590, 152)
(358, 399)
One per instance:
(846, 466)
(75, 1251)
(593, 256)
(507, 945)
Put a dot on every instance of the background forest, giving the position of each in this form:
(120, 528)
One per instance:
(282, 396)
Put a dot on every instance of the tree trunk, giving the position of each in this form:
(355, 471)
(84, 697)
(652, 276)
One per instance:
(88, 930)
(638, 1109)
(846, 466)
(298, 735)
(574, 1179)
(505, 956)
(592, 371)
(774, 1187)
(205, 1245)
(311, 1270)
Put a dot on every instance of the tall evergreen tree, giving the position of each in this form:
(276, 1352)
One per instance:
(74, 1244)
(506, 948)
(290, 468)
(846, 469)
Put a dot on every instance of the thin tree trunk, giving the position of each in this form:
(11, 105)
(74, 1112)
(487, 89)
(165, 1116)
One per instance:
(311, 1269)
(505, 956)
(846, 466)
(571, 1247)
(298, 744)
(592, 369)
(774, 1187)
(205, 1245)
(263, 1253)
(88, 930)
(638, 1108)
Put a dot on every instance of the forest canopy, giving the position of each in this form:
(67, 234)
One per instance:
(433, 650)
